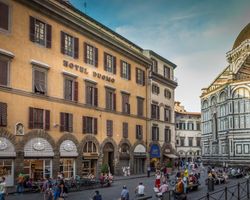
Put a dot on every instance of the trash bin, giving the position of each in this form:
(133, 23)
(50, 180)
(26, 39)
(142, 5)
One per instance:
(210, 184)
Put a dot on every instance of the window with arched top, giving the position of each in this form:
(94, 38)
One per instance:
(222, 97)
(213, 101)
(90, 147)
(125, 148)
(241, 93)
(205, 104)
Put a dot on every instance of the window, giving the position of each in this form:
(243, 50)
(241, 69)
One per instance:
(167, 114)
(110, 99)
(140, 76)
(125, 70)
(70, 89)
(177, 142)
(109, 128)
(4, 71)
(190, 126)
(91, 94)
(154, 66)
(167, 132)
(125, 129)
(155, 112)
(3, 114)
(190, 141)
(140, 105)
(39, 81)
(125, 103)
(4, 17)
(167, 93)
(155, 89)
(89, 125)
(39, 118)
(67, 167)
(198, 126)
(90, 55)
(155, 133)
(198, 142)
(109, 63)
(66, 122)
(139, 132)
(182, 141)
(90, 147)
(69, 45)
(166, 72)
(40, 32)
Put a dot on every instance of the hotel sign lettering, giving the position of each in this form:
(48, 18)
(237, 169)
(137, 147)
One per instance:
(84, 70)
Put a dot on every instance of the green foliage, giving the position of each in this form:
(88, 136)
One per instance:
(169, 165)
(105, 168)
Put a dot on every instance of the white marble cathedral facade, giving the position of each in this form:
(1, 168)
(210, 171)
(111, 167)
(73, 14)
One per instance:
(225, 109)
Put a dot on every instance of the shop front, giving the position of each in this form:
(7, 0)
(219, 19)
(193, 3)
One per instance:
(90, 158)
(68, 154)
(38, 154)
(7, 156)
(155, 155)
(108, 156)
(139, 160)
(169, 157)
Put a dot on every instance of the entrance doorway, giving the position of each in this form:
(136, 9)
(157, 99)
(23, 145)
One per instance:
(108, 156)
(38, 169)
(139, 164)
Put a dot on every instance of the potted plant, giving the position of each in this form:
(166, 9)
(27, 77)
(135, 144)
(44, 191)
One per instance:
(169, 167)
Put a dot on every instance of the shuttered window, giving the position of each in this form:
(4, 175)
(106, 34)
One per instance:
(3, 114)
(39, 81)
(4, 71)
(168, 136)
(125, 70)
(167, 114)
(166, 72)
(140, 76)
(139, 132)
(154, 66)
(4, 16)
(110, 99)
(155, 111)
(70, 89)
(167, 93)
(40, 32)
(91, 94)
(140, 105)
(109, 126)
(90, 54)
(155, 133)
(66, 122)
(109, 63)
(69, 45)
(155, 89)
(125, 103)
(39, 118)
(89, 125)
(125, 129)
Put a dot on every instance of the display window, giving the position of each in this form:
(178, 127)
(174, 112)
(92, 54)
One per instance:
(7, 170)
(37, 169)
(67, 167)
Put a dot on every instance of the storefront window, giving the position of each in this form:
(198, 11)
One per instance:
(6, 170)
(37, 169)
(67, 166)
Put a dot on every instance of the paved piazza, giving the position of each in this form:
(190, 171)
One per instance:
(113, 192)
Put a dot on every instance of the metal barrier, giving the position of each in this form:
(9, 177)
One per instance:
(239, 191)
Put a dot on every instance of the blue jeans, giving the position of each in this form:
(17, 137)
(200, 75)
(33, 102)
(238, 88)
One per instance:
(2, 196)
(19, 188)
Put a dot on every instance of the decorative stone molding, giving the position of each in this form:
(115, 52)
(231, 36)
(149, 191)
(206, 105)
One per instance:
(68, 149)
(7, 149)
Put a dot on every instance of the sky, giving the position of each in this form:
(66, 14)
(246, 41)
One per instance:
(193, 34)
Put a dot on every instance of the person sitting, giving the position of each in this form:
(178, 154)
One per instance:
(179, 188)
(192, 179)
(164, 187)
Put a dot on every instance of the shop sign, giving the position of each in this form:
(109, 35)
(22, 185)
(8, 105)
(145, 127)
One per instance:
(84, 70)
(155, 151)
(167, 150)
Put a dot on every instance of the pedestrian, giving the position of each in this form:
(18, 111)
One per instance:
(47, 189)
(2, 189)
(125, 193)
(149, 170)
(158, 179)
(62, 191)
(20, 182)
(164, 187)
(97, 196)
(139, 191)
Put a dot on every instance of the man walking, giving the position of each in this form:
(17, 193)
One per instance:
(124, 193)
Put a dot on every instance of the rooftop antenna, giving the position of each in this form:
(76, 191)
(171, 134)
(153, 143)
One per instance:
(85, 7)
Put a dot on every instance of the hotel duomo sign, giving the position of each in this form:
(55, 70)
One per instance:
(84, 70)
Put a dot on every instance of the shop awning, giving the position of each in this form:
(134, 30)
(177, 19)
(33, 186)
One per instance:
(170, 155)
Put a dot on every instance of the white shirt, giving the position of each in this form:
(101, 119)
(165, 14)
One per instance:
(140, 189)
(3, 187)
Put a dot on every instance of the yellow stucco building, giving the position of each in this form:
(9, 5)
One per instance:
(72, 93)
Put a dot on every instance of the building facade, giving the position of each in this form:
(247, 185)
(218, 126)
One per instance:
(188, 134)
(226, 109)
(72, 93)
(161, 94)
